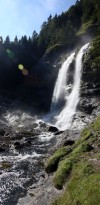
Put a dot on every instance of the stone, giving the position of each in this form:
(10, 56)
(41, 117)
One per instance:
(59, 132)
(18, 145)
(2, 149)
(2, 132)
(68, 142)
(53, 129)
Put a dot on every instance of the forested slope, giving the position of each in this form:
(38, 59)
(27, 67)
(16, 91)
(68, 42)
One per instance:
(18, 59)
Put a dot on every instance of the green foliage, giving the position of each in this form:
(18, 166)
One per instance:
(62, 173)
(52, 163)
(96, 125)
(83, 187)
(92, 59)
(81, 148)
(65, 27)
(84, 27)
(53, 49)
(79, 169)
(66, 165)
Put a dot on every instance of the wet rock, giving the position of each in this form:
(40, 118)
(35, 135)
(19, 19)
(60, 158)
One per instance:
(2, 149)
(18, 145)
(2, 132)
(88, 108)
(68, 142)
(59, 132)
(29, 142)
(53, 129)
(88, 105)
(35, 125)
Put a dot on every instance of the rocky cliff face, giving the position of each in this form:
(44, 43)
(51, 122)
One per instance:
(88, 107)
(90, 86)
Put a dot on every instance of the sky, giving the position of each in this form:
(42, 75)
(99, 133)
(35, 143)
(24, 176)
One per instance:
(22, 17)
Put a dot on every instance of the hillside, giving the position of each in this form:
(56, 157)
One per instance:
(77, 168)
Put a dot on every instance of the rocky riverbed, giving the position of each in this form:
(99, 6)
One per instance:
(26, 142)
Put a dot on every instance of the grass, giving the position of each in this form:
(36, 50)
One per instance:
(79, 170)
(66, 165)
(84, 27)
(62, 173)
(83, 187)
(52, 163)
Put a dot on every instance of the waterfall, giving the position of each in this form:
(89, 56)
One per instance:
(59, 94)
(65, 117)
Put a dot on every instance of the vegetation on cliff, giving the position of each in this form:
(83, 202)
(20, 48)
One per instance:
(79, 170)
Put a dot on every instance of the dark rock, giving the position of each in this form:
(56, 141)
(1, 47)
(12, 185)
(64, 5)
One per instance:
(59, 132)
(2, 149)
(68, 142)
(53, 129)
(42, 124)
(29, 142)
(18, 145)
(35, 125)
(89, 147)
(88, 108)
(2, 132)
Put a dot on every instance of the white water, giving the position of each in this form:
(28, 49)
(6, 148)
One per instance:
(60, 87)
(64, 119)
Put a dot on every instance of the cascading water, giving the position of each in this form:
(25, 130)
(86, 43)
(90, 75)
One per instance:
(60, 87)
(64, 119)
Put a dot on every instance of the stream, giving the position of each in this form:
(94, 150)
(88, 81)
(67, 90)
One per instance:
(22, 150)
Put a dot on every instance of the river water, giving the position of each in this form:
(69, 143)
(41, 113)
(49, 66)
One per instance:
(21, 164)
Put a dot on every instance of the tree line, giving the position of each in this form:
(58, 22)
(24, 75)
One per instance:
(60, 30)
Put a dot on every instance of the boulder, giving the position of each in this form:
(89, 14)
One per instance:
(53, 129)
(68, 142)
(18, 145)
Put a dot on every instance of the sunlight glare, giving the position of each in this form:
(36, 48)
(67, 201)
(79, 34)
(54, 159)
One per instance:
(25, 71)
(20, 66)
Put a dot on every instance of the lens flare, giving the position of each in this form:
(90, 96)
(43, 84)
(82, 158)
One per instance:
(22, 69)
(25, 71)
(20, 66)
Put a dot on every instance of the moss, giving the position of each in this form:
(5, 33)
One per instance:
(85, 134)
(83, 187)
(5, 165)
(67, 164)
(96, 125)
(84, 147)
(53, 48)
(62, 173)
(91, 133)
(52, 163)
(92, 60)
(84, 27)
(97, 155)
(79, 170)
